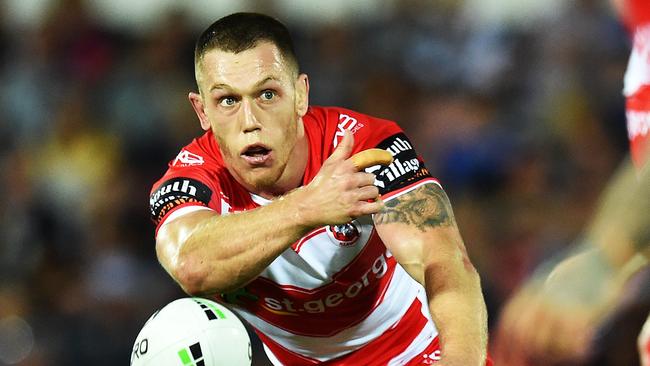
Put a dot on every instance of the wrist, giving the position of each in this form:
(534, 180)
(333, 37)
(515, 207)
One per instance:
(298, 211)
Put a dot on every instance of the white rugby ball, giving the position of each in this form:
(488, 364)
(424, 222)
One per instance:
(192, 332)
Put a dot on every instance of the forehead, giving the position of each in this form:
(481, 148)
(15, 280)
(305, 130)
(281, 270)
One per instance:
(239, 70)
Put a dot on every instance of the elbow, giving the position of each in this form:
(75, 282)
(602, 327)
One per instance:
(471, 273)
(452, 274)
(192, 277)
(197, 278)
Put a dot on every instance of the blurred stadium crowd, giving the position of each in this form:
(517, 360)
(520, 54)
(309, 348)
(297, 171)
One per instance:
(522, 123)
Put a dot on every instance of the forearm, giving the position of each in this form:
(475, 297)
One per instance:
(458, 310)
(614, 247)
(207, 253)
(419, 229)
(620, 227)
(222, 253)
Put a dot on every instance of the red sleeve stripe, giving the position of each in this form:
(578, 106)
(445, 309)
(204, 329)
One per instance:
(390, 195)
(174, 211)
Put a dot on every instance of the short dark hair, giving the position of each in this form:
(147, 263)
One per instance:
(239, 32)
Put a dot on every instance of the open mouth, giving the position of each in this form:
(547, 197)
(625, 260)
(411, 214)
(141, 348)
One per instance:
(256, 154)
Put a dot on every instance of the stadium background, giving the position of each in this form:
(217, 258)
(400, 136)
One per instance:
(515, 105)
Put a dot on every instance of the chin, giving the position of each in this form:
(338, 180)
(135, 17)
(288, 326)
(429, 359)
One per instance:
(264, 181)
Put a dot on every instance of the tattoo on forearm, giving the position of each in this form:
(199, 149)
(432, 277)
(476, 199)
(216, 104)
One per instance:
(425, 207)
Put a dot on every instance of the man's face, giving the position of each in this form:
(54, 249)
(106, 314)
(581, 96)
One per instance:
(253, 102)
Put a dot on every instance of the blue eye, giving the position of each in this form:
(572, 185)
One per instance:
(267, 95)
(227, 101)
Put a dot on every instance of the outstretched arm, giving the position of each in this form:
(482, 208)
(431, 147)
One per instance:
(207, 253)
(420, 230)
(553, 318)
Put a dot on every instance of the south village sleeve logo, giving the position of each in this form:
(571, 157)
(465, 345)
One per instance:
(405, 169)
(175, 192)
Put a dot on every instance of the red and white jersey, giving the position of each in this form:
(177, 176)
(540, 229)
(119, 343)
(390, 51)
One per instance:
(337, 296)
(636, 15)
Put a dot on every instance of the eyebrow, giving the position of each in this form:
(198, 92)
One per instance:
(257, 85)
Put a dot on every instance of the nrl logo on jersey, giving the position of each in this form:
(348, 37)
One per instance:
(186, 158)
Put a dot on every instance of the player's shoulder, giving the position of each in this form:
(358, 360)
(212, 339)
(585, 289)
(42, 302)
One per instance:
(196, 176)
(200, 151)
(341, 115)
(636, 13)
(333, 121)
(200, 159)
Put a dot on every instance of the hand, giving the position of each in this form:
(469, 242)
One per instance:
(535, 329)
(339, 192)
(553, 321)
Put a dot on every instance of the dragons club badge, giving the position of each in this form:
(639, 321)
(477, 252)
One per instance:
(345, 234)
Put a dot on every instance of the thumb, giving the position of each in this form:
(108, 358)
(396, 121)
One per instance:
(344, 148)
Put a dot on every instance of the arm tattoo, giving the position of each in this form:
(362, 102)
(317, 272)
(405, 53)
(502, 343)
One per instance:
(425, 207)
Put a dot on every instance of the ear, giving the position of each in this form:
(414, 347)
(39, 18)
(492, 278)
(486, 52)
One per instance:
(302, 94)
(199, 108)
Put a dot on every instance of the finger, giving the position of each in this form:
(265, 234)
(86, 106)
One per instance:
(530, 330)
(343, 149)
(500, 353)
(582, 344)
(370, 157)
(505, 353)
(513, 329)
(571, 332)
(368, 208)
(367, 193)
(542, 336)
(364, 179)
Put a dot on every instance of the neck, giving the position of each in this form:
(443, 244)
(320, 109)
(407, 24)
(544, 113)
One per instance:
(293, 173)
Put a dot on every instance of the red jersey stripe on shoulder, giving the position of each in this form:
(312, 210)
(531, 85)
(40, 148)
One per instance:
(410, 187)
(636, 13)
(325, 127)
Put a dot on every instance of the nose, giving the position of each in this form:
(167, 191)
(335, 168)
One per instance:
(249, 122)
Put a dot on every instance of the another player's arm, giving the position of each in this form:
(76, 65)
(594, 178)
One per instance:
(622, 216)
(617, 243)
(208, 253)
(420, 230)
(567, 301)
